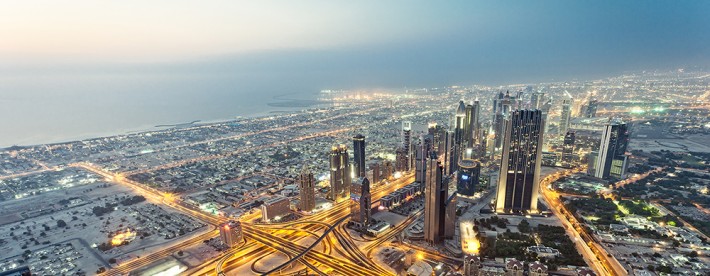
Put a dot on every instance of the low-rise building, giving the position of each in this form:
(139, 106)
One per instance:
(275, 208)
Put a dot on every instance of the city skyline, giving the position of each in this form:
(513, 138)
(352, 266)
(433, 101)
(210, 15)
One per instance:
(369, 138)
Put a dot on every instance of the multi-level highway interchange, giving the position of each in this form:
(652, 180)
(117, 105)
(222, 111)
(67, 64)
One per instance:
(63, 205)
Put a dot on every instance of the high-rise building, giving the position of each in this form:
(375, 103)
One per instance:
(340, 177)
(591, 110)
(546, 110)
(359, 155)
(407, 143)
(611, 159)
(360, 202)
(401, 160)
(275, 208)
(435, 194)
(537, 100)
(471, 264)
(459, 134)
(376, 172)
(475, 123)
(306, 190)
(231, 233)
(450, 216)
(501, 116)
(568, 156)
(388, 170)
(421, 154)
(449, 153)
(565, 116)
(467, 126)
(468, 177)
(518, 183)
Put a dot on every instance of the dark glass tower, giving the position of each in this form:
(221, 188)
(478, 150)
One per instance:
(568, 157)
(612, 146)
(359, 155)
(519, 177)
(467, 178)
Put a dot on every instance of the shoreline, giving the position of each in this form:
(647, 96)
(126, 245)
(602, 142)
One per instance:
(279, 108)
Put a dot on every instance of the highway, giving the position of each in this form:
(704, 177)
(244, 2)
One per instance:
(593, 253)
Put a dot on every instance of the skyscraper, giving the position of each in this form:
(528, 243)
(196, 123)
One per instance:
(434, 196)
(565, 116)
(231, 233)
(360, 202)
(407, 142)
(376, 172)
(591, 110)
(306, 190)
(467, 177)
(401, 160)
(421, 153)
(475, 123)
(568, 157)
(459, 134)
(359, 155)
(450, 216)
(611, 159)
(501, 115)
(340, 178)
(537, 100)
(546, 110)
(518, 183)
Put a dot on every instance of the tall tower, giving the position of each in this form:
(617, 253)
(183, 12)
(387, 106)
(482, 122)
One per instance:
(501, 116)
(459, 134)
(407, 142)
(537, 100)
(450, 216)
(568, 157)
(475, 124)
(546, 110)
(434, 196)
(519, 177)
(591, 111)
(360, 202)
(565, 116)
(612, 149)
(306, 190)
(467, 126)
(340, 177)
(420, 163)
(359, 155)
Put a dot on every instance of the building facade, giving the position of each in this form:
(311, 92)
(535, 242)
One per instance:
(230, 233)
(340, 177)
(275, 208)
(306, 190)
(434, 196)
(519, 177)
(467, 178)
(359, 155)
(360, 204)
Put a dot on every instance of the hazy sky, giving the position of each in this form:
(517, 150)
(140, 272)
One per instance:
(81, 68)
(377, 42)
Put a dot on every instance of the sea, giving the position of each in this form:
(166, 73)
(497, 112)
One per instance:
(60, 108)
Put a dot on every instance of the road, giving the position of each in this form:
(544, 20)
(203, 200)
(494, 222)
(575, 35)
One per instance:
(594, 254)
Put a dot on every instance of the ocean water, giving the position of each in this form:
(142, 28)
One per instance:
(58, 108)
